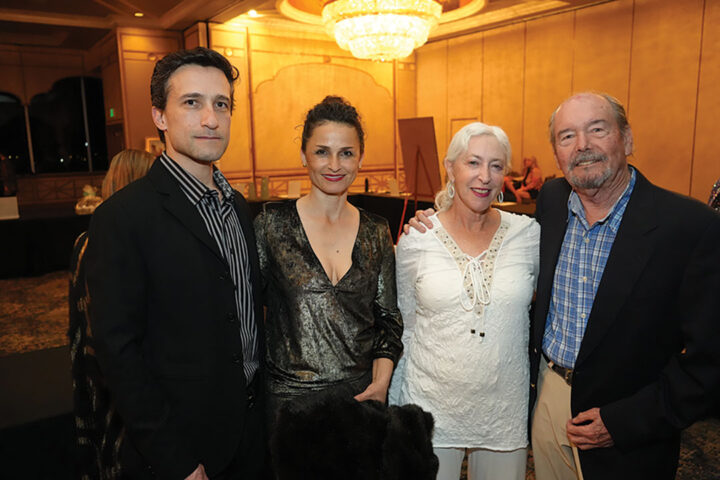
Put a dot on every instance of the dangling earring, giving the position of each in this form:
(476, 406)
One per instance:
(451, 188)
(500, 197)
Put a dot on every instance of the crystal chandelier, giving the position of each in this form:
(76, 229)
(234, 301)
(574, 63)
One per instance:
(380, 29)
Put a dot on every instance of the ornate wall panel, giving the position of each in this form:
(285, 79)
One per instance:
(603, 37)
(663, 88)
(432, 90)
(503, 81)
(465, 77)
(139, 50)
(295, 89)
(548, 80)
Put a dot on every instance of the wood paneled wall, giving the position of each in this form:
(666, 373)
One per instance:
(138, 51)
(661, 58)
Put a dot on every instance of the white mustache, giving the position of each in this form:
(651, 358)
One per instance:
(587, 156)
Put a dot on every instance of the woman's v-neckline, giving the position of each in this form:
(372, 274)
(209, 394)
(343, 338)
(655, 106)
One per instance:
(318, 263)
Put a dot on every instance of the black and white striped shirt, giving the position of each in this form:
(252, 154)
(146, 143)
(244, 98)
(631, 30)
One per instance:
(224, 227)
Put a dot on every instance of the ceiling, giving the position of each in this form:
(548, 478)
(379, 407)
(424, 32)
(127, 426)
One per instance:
(79, 24)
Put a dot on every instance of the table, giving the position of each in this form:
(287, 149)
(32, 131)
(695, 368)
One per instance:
(41, 240)
(39, 243)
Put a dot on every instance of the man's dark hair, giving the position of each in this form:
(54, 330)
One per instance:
(202, 56)
(332, 109)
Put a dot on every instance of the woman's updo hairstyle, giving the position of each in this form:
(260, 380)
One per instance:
(332, 109)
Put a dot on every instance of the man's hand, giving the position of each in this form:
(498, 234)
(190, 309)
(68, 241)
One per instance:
(419, 221)
(587, 430)
(198, 474)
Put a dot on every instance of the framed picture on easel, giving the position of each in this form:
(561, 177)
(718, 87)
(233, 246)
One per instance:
(420, 157)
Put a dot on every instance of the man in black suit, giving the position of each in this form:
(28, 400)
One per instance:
(173, 280)
(625, 339)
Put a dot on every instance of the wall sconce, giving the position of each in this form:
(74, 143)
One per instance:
(228, 52)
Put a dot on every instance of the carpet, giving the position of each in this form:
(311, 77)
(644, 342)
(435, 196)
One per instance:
(34, 316)
(33, 313)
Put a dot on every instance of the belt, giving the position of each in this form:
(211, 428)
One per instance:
(565, 373)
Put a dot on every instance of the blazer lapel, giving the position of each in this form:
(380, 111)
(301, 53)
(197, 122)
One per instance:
(630, 253)
(175, 201)
(553, 224)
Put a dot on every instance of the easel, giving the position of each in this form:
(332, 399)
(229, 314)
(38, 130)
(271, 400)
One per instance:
(419, 151)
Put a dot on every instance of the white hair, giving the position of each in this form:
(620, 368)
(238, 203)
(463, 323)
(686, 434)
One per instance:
(459, 146)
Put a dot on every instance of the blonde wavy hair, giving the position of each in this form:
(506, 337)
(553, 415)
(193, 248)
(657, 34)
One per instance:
(125, 167)
(459, 146)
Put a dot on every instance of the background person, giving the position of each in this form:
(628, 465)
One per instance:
(528, 186)
(99, 430)
(329, 275)
(464, 291)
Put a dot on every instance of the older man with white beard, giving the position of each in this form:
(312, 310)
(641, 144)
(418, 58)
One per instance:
(625, 341)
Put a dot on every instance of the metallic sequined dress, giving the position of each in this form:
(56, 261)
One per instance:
(322, 336)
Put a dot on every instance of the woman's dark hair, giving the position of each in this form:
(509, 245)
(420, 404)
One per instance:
(332, 109)
(204, 57)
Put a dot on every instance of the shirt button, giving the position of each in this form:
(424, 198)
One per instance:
(587, 240)
(582, 315)
(230, 317)
(584, 279)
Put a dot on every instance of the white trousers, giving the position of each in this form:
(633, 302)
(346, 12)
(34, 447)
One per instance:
(483, 464)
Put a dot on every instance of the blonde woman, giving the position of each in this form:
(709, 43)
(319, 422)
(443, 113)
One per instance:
(464, 291)
(99, 429)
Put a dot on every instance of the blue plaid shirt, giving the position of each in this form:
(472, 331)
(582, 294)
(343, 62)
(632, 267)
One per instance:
(580, 267)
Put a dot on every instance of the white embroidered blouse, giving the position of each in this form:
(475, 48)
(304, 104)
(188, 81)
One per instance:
(466, 333)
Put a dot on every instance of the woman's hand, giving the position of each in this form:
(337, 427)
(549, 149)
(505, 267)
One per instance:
(377, 390)
(373, 392)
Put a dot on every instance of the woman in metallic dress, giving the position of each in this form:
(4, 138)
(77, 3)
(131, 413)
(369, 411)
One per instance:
(332, 321)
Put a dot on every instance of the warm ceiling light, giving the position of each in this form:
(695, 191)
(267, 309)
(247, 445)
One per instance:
(381, 29)
(253, 14)
(139, 14)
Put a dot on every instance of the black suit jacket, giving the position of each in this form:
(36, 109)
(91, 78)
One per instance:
(162, 309)
(650, 357)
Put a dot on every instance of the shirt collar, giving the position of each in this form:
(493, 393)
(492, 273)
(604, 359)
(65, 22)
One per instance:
(223, 184)
(575, 206)
(191, 186)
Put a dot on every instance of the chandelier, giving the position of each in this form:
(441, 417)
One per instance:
(380, 29)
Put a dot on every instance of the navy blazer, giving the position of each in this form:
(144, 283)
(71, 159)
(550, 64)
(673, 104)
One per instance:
(650, 356)
(162, 311)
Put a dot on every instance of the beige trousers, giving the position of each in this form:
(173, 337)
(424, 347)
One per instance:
(555, 457)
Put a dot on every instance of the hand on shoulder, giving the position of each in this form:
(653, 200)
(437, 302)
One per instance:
(420, 222)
